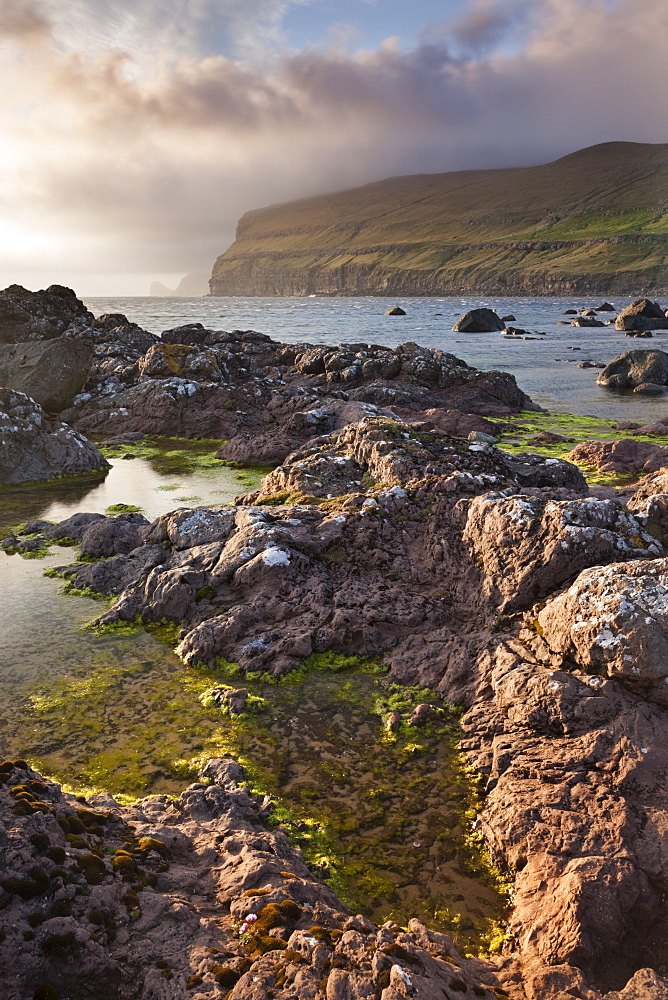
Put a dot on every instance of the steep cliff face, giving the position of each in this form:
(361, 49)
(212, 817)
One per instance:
(595, 221)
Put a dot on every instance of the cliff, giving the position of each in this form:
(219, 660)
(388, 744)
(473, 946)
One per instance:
(594, 221)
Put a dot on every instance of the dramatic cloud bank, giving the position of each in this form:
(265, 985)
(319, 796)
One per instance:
(131, 145)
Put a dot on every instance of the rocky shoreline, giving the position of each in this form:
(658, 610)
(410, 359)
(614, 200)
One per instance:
(393, 526)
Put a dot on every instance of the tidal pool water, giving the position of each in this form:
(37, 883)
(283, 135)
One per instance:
(386, 817)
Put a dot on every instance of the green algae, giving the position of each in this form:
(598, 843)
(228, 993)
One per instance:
(170, 456)
(123, 508)
(355, 800)
(357, 796)
(517, 431)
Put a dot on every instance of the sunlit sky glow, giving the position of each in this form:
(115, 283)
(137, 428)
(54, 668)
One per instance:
(136, 132)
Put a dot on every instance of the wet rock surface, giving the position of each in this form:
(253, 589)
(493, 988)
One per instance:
(100, 902)
(495, 580)
(34, 448)
(433, 553)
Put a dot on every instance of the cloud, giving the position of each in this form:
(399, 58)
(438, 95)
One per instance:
(126, 147)
(482, 25)
(23, 22)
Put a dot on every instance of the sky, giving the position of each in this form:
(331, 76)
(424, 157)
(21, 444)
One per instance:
(135, 133)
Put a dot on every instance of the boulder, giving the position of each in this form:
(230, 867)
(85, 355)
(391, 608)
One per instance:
(52, 372)
(634, 368)
(659, 428)
(549, 437)
(42, 315)
(117, 335)
(193, 334)
(526, 547)
(459, 424)
(180, 361)
(586, 321)
(605, 307)
(479, 321)
(613, 621)
(34, 448)
(113, 536)
(624, 456)
(643, 314)
(396, 311)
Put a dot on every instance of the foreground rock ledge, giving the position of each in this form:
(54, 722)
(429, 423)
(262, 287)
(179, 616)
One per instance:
(501, 584)
(101, 902)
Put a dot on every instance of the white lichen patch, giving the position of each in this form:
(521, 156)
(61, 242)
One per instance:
(274, 556)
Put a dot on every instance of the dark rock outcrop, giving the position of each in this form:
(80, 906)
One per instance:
(268, 398)
(34, 448)
(42, 315)
(633, 368)
(51, 372)
(479, 321)
(643, 314)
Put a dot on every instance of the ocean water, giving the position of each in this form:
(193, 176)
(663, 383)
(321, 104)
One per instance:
(546, 368)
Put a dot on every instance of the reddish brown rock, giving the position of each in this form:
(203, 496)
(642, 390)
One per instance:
(146, 905)
(613, 621)
(623, 456)
(527, 547)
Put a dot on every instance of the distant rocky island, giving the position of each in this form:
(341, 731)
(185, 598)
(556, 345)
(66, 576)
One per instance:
(595, 221)
(191, 286)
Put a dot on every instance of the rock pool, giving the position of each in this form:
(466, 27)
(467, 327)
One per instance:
(387, 817)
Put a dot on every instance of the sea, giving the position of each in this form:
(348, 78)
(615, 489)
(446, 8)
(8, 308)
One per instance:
(547, 368)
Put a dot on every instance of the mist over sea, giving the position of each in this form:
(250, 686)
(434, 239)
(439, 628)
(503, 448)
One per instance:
(546, 368)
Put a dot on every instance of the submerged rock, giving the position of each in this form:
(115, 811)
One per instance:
(34, 448)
